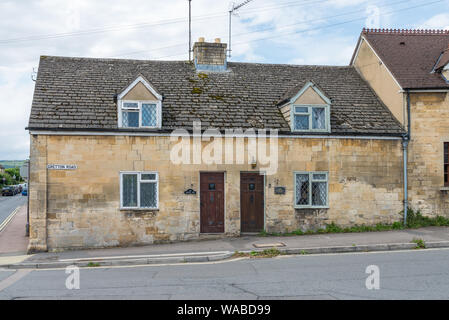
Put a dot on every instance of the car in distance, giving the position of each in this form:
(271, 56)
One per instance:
(9, 191)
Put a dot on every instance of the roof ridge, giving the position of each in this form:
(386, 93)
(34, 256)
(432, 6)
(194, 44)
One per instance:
(407, 31)
(292, 64)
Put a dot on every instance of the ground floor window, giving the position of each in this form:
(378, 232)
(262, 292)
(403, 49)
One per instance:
(311, 190)
(139, 190)
(446, 164)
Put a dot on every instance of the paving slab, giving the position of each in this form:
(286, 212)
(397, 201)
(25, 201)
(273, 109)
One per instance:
(216, 249)
(12, 237)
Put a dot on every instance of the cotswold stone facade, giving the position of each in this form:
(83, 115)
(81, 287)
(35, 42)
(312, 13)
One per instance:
(429, 132)
(84, 210)
(104, 131)
(408, 65)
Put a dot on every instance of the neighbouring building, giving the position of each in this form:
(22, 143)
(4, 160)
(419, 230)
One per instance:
(409, 71)
(127, 152)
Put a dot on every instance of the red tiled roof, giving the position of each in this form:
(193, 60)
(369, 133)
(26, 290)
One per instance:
(411, 55)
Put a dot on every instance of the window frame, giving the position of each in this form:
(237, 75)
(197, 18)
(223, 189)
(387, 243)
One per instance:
(139, 181)
(139, 108)
(309, 113)
(446, 164)
(311, 180)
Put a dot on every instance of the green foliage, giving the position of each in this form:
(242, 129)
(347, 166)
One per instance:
(267, 253)
(414, 220)
(93, 264)
(12, 163)
(8, 176)
(420, 244)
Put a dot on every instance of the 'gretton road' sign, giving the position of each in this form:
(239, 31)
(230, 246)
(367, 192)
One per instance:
(62, 167)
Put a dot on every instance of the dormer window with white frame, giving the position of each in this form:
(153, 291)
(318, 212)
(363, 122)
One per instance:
(139, 106)
(310, 118)
(308, 110)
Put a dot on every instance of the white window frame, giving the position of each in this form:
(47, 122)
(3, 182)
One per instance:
(309, 113)
(139, 181)
(139, 108)
(158, 102)
(311, 180)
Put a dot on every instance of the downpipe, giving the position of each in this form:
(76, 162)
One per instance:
(405, 142)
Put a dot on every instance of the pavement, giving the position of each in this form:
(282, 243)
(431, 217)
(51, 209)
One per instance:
(222, 249)
(13, 242)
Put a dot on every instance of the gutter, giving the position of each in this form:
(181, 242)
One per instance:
(189, 133)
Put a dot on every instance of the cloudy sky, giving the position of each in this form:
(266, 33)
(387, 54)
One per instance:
(265, 31)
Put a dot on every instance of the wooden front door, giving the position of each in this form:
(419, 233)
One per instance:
(212, 202)
(251, 202)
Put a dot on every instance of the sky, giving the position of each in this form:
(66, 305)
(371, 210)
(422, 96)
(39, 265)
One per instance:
(263, 31)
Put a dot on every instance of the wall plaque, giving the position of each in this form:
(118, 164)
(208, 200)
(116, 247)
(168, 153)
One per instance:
(62, 167)
(190, 191)
(279, 190)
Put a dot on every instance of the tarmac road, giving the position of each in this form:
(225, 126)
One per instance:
(413, 274)
(9, 204)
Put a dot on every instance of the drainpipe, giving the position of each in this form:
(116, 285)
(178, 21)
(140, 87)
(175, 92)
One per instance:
(405, 142)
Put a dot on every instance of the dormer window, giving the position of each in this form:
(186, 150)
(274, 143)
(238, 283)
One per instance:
(310, 117)
(307, 109)
(139, 106)
(137, 114)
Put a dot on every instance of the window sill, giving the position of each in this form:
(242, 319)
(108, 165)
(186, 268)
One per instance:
(138, 209)
(311, 208)
(444, 189)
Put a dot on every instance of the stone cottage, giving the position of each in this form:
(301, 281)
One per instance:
(409, 71)
(128, 152)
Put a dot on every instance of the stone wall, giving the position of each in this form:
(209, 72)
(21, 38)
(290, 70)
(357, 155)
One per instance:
(365, 187)
(430, 129)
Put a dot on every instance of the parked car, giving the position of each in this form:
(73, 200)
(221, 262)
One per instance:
(24, 192)
(9, 191)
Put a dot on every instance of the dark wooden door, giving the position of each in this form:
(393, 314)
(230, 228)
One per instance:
(252, 202)
(212, 202)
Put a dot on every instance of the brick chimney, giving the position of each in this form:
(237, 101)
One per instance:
(210, 56)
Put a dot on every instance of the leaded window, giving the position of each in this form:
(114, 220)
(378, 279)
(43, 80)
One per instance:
(311, 118)
(139, 190)
(137, 114)
(446, 164)
(311, 189)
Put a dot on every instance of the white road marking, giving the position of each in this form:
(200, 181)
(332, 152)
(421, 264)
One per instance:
(19, 274)
(9, 218)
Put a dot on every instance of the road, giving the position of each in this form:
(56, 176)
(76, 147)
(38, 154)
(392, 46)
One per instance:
(416, 274)
(8, 204)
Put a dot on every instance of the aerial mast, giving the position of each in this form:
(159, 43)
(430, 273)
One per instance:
(232, 11)
(190, 30)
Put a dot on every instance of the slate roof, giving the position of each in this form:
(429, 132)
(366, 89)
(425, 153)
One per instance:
(78, 94)
(411, 55)
(290, 93)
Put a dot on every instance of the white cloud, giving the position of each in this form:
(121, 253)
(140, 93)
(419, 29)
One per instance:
(289, 39)
(439, 21)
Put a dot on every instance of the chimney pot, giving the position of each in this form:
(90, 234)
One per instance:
(210, 56)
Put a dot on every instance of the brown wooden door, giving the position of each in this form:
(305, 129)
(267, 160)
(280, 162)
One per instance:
(212, 202)
(252, 202)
